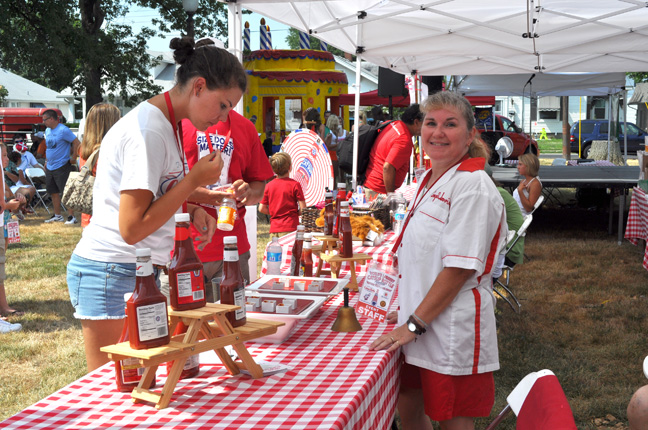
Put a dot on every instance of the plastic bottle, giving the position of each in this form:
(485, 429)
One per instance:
(148, 322)
(329, 213)
(345, 243)
(186, 281)
(274, 257)
(307, 257)
(399, 219)
(295, 260)
(192, 365)
(395, 200)
(128, 372)
(227, 214)
(341, 196)
(232, 287)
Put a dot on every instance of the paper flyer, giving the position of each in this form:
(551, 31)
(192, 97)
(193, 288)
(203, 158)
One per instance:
(13, 232)
(377, 292)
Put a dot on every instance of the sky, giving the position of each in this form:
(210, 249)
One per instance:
(139, 17)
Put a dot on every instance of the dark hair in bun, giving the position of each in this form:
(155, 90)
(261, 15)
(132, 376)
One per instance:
(219, 68)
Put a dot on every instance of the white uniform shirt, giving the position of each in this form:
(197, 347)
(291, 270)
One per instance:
(138, 153)
(455, 224)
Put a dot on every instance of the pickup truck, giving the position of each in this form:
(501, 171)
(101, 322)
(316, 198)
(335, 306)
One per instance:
(522, 142)
(21, 121)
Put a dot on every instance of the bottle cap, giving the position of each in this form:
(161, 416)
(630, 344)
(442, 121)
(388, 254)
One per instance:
(143, 252)
(341, 185)
(344, 203)
(328, 194)
(301, 227)
(183, 217)
(229, 240)
(127, 296)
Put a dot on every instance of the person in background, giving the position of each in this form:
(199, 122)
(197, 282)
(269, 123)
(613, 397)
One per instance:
(38, 147)
(313, 122)
(244, 173)
(267, 143)
(389, 158)
(27, 158)
(141, 184)
(530, 188)
(362, 117)
(445, 256)
(338, 134)
(101, 117)
(283, 198)
(6, 207)
(18, 184)
(62, 149)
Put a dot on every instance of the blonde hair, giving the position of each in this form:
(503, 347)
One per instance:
(100, 118)
(333, 123)
(280, 163)
(531, 162)
(454, 101)
(362, 117)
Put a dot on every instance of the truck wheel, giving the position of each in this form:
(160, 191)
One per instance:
(531, 150)
(494, 157)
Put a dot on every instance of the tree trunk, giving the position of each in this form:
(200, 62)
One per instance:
(566, 148)
(92, 17)
(93, 86)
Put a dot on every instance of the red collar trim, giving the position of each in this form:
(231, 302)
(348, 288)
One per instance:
(472, 164)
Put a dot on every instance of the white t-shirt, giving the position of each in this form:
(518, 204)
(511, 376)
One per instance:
(453, 224)
(139, 152)
(27, 160)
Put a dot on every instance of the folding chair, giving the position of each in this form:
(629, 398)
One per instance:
(506, 269)
(32, 173)
(539, 403)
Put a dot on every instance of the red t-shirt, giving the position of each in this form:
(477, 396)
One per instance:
(394, 146)
(244, 159)
(281, 196)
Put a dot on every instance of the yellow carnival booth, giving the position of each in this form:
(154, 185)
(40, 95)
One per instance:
(284, 83)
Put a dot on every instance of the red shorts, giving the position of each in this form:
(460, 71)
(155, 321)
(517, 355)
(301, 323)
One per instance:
(448, 396)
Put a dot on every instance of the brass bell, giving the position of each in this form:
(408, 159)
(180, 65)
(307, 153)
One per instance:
(346, 320)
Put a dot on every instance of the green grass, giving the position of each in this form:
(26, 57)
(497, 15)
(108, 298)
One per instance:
(551, 146)
(583, 315)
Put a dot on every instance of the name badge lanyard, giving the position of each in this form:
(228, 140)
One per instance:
(174, 124)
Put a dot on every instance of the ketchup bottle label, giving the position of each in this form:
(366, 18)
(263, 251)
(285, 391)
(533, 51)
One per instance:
(191, 286)
(239, 300)
(229, 255)
(144, 270)
(152, 321)
(131, 370)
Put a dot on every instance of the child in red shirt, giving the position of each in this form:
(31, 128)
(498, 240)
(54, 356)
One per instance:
(283, 198)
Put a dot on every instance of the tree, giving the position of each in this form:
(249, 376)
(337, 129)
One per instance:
(3, 94)
(293, 42)
(78, 44)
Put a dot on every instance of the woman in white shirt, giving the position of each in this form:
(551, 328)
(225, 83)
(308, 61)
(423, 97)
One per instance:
(141, 183)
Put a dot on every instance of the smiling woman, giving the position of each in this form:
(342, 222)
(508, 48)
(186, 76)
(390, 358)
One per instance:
(142, 182)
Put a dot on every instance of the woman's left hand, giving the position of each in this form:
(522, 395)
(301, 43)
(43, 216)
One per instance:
(205, 224)
(393, 340)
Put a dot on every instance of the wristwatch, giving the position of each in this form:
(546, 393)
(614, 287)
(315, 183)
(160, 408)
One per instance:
(414, 327)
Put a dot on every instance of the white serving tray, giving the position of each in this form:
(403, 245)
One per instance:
(290, 320)
(264, 285)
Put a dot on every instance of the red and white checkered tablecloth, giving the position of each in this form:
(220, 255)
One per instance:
(334, 383)
(637, 225)
(381, 253)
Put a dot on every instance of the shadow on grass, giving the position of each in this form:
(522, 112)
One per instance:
(46, 316)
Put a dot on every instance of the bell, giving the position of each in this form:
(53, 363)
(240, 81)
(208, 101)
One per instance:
(346, 320)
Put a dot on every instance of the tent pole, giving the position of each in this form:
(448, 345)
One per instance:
(235, 37)
(356, 121)
(625, 126)
(609, 125)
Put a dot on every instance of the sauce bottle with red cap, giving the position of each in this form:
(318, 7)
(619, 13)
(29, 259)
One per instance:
(186, 281)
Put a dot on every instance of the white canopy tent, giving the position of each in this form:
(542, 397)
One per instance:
(469, 37)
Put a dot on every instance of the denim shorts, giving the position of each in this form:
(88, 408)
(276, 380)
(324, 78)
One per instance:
(97, 289)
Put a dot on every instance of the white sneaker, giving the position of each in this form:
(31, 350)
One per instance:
(7, 327)
(55, 218)
(70, 220)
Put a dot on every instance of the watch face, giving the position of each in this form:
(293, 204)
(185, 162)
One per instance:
(411, 327)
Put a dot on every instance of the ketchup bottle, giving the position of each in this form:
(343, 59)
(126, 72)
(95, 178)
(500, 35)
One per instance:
(329, 213)
(128, 372)
(186, 283)
(295, 260)
(341, 196)
(232, 287)
(307, 257)
(345, 243)
(192, 365)
(148, 322)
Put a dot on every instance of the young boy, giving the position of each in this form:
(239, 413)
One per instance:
(283, 198)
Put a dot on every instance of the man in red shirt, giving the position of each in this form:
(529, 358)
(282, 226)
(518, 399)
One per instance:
(246, 168)
(389, 158)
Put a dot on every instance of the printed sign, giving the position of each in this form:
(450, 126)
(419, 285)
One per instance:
(13, 231)
(377, 292)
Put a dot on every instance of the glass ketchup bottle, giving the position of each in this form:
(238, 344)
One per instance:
(232, 287)
(345, 243)
(341, 196)
(128, 372)
(329, 214)
(186, 281)
(295, 260)
(148, 322)
(307, 257)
